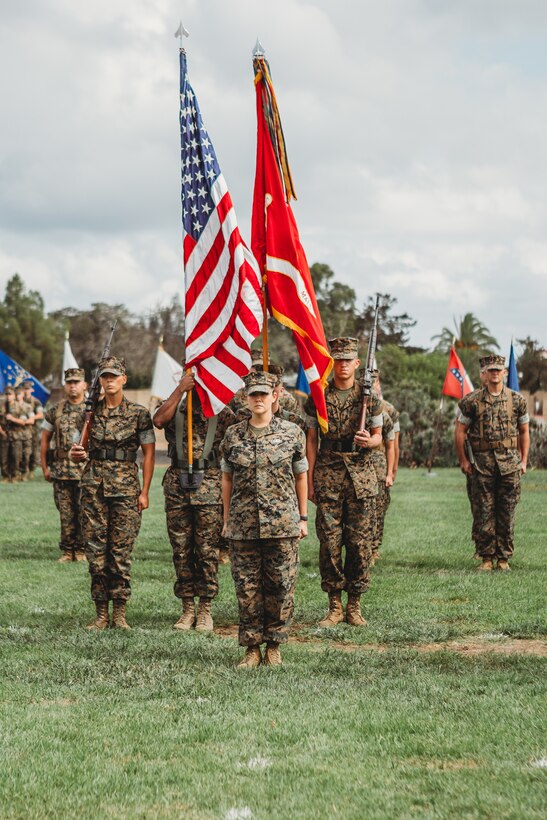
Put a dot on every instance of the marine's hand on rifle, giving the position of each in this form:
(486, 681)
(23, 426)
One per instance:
(77, 453)
(362, 438)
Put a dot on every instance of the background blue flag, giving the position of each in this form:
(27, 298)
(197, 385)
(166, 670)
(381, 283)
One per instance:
(512, 375)
(302, 385)
(13, 374)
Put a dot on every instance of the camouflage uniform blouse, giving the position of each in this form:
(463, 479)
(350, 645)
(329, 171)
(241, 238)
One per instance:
(487, 420)
(209, 491)
(263, 466)
(343, 410)
(124, 428)
(65, 420)
(20, 410)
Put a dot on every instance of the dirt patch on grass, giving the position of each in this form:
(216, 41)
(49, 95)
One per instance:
(473, 646)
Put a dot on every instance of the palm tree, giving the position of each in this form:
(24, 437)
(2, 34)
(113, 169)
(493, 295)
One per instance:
(471, 339)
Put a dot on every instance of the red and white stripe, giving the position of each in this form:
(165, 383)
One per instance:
(223, 304)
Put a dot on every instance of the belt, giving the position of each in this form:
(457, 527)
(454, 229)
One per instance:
(483, 446)
(112, 454)
(343, 445)
(198, 463)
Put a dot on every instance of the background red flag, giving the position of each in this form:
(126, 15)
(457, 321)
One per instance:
(276, 245)
(456, 382)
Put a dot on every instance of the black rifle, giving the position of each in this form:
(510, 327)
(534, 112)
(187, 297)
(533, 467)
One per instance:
(368, 376)
(94, 393)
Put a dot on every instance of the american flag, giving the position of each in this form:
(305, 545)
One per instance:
(223, 302)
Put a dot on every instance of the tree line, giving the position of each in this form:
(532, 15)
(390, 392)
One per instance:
(411, 377)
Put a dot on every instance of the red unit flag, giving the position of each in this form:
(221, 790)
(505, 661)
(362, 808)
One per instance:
(456, 383)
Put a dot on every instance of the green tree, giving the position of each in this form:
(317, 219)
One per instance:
(26, 333)
(532, 365)
(472, 340)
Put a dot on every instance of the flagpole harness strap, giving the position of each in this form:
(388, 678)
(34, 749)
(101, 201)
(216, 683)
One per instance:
(208, 458)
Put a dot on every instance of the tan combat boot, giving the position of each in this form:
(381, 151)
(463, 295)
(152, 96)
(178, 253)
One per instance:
(118, 614)
(335, 615)
(101, 621)
(251, 659)
(204, 619)
(486, 565)
(186, 620)
(223, 556)
(66, 558)
(5, 480)
(79, 555)
(30, 475)
(503, 565)
(272, 656)
(353, 611)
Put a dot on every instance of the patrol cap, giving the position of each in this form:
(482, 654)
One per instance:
(112, 365)
(344, 347)
(9, 389)
(257, 381)
(74, 374)
(492, 362)
(257, 356)
(28, 383)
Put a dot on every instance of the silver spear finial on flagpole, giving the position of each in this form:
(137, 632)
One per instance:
(258, 50)
(181, 32)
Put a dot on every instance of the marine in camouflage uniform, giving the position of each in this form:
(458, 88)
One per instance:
(383, 459)
(5, 437)
(18, 415)
(495, 420)
(38, 412)
(111, 497)
(194, 515)
(343, 484)
(61, 427)
(264, 469)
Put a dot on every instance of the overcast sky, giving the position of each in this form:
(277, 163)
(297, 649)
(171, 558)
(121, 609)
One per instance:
(416, 132)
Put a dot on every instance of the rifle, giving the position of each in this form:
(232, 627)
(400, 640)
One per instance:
(369, 367)
(94, 393)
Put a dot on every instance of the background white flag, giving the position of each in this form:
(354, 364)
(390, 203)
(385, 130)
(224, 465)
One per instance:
(68, 358)
(167, 374)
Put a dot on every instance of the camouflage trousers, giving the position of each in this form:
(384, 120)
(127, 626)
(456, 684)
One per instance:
(15, 457)
(474, 512)
(110, 526)
(4, 456)
(383, 500)
(34, 456)
(494, 501)
(194, 532)
(264, 573)
(67, 500)
(343, 520)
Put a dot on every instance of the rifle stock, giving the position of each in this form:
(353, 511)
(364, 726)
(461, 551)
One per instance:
(94, 393)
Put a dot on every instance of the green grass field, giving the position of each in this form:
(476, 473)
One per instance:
(436, 709)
